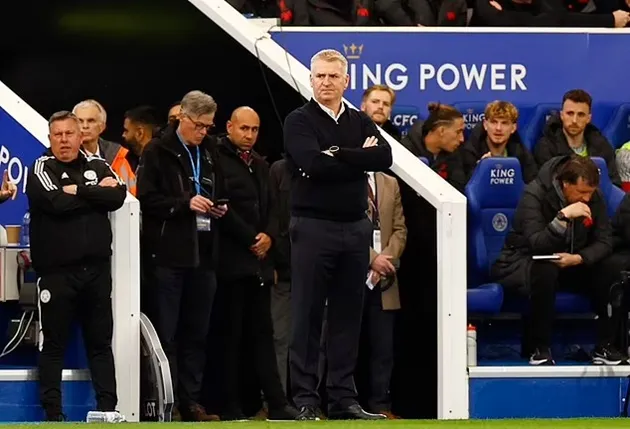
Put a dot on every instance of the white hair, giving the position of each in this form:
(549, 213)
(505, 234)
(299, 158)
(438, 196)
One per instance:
(92, 103)
(330, 55)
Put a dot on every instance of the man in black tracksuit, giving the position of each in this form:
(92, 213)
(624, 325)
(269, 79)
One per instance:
(562, 212)
(70, 197)
(177, 186)
(245, 271)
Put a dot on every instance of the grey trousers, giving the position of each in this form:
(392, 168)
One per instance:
(281, 318)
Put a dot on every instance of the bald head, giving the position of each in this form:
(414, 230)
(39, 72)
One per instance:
(242, 128)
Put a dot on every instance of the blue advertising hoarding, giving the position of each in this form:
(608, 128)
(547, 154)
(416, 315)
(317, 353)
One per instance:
(18, 150)
(473, 67)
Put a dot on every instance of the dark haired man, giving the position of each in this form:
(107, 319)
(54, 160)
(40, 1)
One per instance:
(138, 130)
(562, 213)
(572, 132)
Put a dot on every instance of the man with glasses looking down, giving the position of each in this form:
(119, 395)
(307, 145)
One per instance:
(177, 189)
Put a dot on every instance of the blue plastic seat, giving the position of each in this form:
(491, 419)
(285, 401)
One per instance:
(602, 114)
(537, 123)
(612, 193)
(473, 112)
(618, 129)
(493, 193)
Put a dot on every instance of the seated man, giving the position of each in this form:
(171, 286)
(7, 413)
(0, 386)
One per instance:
(562, 213)
(572, 132)
(497, 136)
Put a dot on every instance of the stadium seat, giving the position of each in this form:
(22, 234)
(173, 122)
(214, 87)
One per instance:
(525, 112)
(602, 114)
(612, 194)
(473, 114)
(618, 129)
(537, 123)
(493, 193)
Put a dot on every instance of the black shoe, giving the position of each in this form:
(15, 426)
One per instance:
(542, 356)
(285, 413)
(234, 415)
(608, 355)
(353, 412)
(307, 412)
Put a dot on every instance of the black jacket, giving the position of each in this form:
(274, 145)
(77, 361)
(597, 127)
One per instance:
(67, 230)
(247, 188)
(554, 143)
(419, 213)
(448, 165)
(536, 232)
(280, 192)
(477, 146)
(165, 188)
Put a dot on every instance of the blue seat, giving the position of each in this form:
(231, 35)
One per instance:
(525, 112)
(612, 193)
(602, 114)
(473, 112)
(423, 159)
(493, 193)
(618, 129)
(537, 123)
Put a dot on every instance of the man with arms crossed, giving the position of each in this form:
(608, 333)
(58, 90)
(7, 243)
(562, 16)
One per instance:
(329, 147)
(70, 197)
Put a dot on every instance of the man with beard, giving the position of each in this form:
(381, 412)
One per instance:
(377, 103)
(138, 130)
(497, 136)
(572, 133)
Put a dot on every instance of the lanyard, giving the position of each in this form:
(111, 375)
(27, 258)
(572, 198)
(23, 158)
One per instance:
(195, 169)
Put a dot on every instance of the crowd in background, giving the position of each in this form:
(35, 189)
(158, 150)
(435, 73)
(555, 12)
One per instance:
(428, 13)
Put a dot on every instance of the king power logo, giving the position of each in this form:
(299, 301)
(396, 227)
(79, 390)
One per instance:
(445, 76)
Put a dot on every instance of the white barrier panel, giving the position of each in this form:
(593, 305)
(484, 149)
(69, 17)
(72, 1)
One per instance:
(125, 260)
(452, 388)
(126, 306)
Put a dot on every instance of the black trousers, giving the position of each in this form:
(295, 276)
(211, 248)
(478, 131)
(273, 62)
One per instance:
(329, 260)
(183, 304)
(378, 340)
(593, 281)
(82, 292)
(281, 318)
(249, 318)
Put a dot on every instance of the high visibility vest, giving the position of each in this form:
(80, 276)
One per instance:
(121, 167)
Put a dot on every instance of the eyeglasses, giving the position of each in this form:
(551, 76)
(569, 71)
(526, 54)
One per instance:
(199, 126)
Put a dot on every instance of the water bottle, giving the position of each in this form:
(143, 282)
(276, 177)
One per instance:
(104, 417)
(471, 345)
(25, 239)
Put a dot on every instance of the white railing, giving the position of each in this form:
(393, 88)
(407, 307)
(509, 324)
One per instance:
(452, 388)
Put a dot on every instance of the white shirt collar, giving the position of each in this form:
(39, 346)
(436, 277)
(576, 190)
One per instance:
(371, 180)
(331, 113)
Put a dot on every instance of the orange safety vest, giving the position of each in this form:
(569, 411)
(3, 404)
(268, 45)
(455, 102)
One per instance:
(121, 167)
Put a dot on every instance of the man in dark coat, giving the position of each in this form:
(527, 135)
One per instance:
(562, 213)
